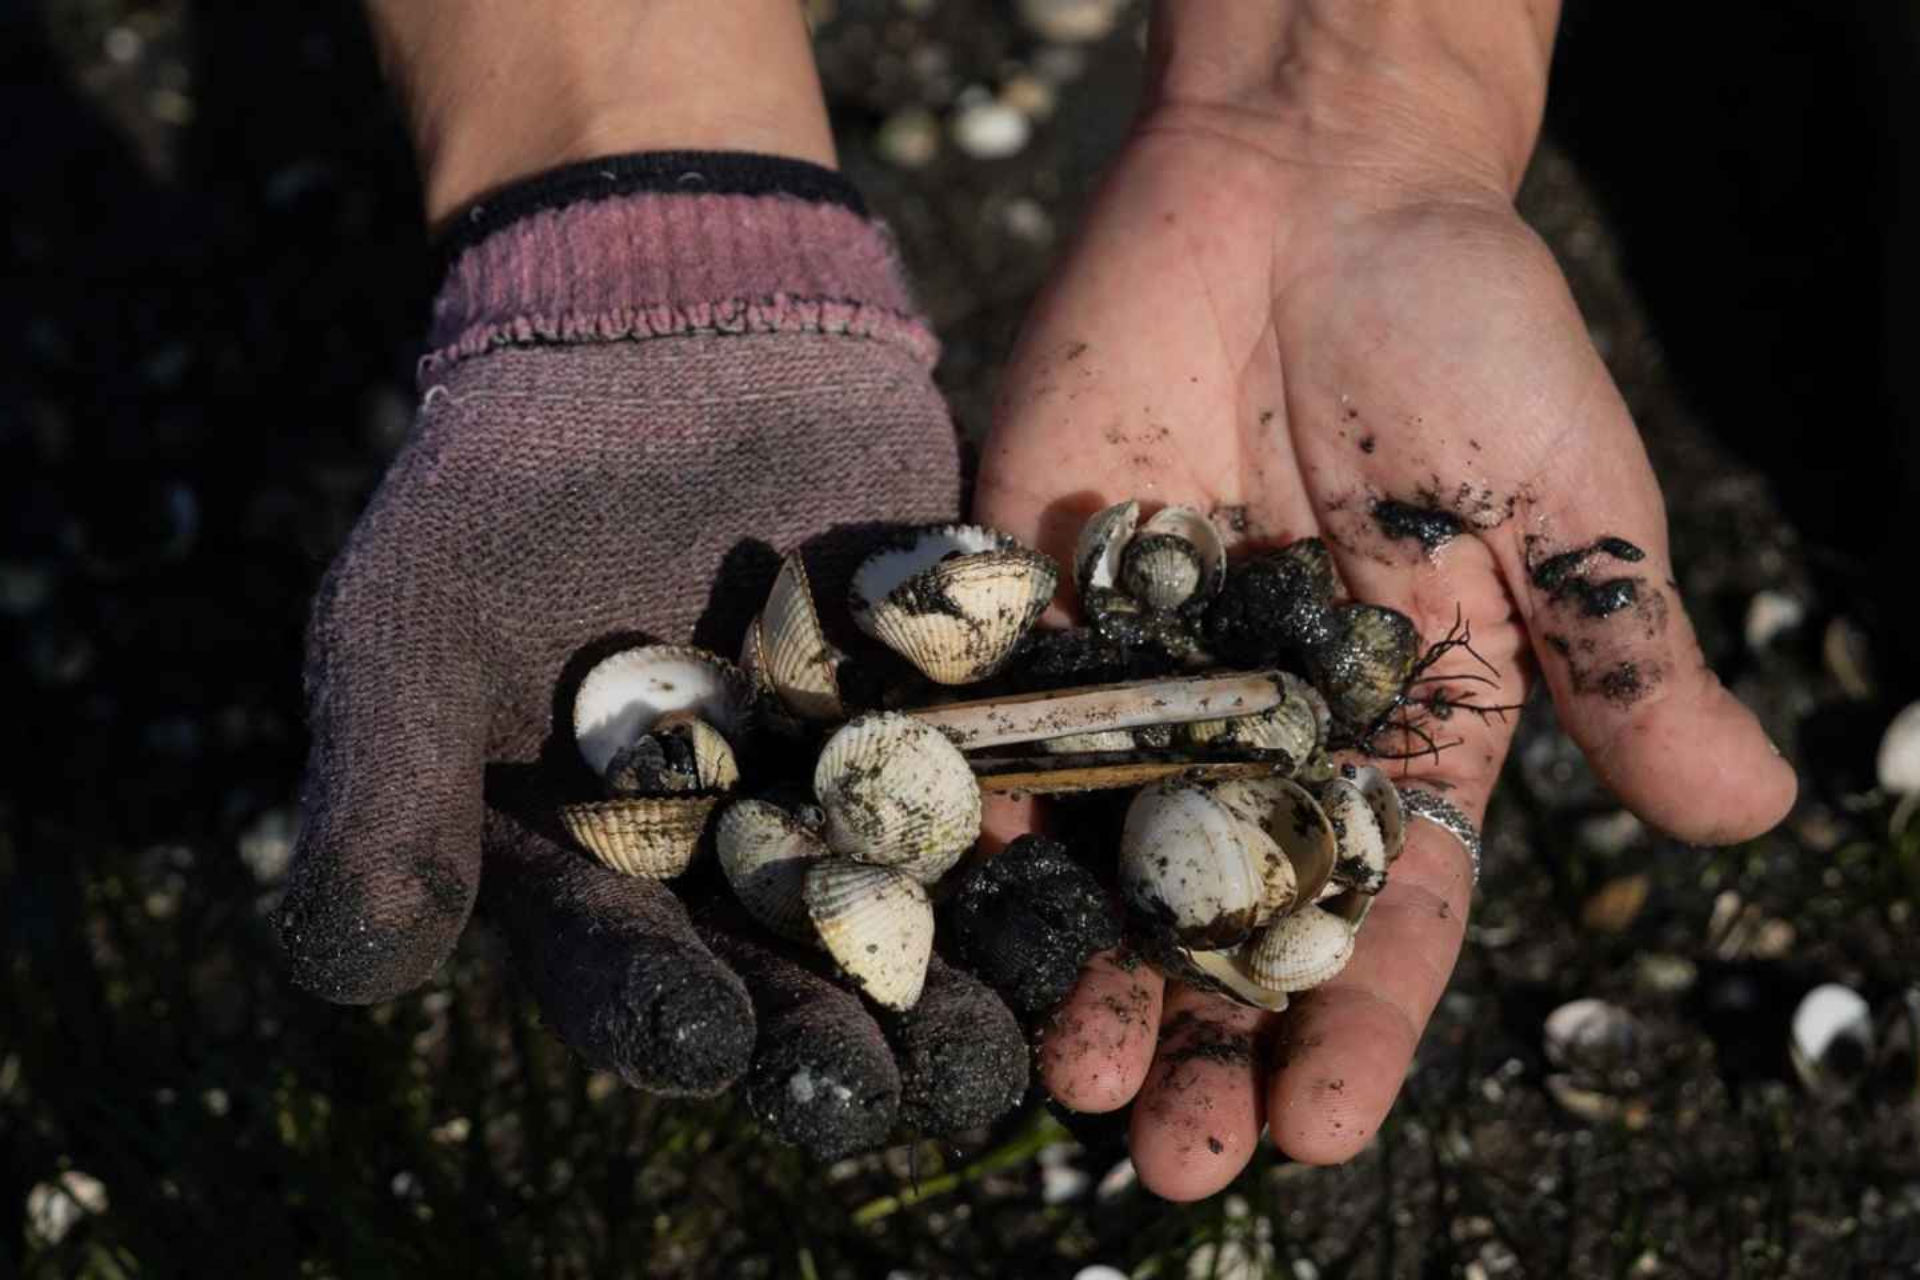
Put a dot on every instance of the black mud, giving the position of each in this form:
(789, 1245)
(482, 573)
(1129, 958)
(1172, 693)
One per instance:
(1027, 921)
(1564, 577)
(1621, 681)
(1271, 605)
(1430, 526)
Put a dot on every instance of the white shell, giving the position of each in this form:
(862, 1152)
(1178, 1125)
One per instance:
(1254, 803)
(765, 853)
(953, 601)
(1589, 1034)
(1103, 539)
(1297, 726)
(1098, 740)
(1228, 969)
(1362, 861)
(627, 693)
(1297, 824)
(1384, 799)
(1184, 862)
(652, 837)
(797, 661)
(1898, 761)
(897, 793)
(1300, 951)
(1832, 1039)
(1197, 529)
(876, 923)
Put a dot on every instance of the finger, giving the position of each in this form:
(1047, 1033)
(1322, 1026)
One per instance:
(388, 860)
(616, 967)
(1199, 1113)
(1344, 1048)
(822, 1077)
(1631, 686)
(963, 1060)
(1098, 1046)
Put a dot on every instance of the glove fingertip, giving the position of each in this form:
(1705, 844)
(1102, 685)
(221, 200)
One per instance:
(963, 1060)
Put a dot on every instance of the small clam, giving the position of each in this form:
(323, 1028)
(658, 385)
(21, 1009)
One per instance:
(897, 793)
(653, 837)
(1363, 661)
(765, 852)
(680, 753)
(1226, 972)
(953, 601)
(1295, 822)
(628, 693)
(1301, 950)
(1203, 551)
(791, 653)
(1363, 845)
(1185, 864)
(1103, 542)
(1297, 725)
(877, 923)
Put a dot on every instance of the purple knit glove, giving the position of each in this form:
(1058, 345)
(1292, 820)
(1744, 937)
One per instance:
(649, 376)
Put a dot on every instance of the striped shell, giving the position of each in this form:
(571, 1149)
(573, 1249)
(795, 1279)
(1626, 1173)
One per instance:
(1363, 662)
(953, 601)
(653, 837)
(627, 693)
(1185, 863)
(1369, 827)
(897, 794)
(789, 650)
(876, 923)
(1301, 950)
(1207, 556)
(765, 853)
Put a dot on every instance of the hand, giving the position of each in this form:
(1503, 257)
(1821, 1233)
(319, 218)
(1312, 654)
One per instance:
(1284, 326)
(631, 474)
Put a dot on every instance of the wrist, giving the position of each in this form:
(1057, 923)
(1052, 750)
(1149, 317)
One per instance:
(1413, 91)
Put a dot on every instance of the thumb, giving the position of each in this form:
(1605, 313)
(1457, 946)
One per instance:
(386, 868)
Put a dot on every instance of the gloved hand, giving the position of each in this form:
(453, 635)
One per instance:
(646, 374)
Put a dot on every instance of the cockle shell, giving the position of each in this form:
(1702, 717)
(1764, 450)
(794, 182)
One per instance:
(1297, 726)
(897, 793)
(791, 651)
(1103, 541)
(1363, 662)
(653, 837)
(1301, 950)
(1297, 824)
(1226, 972)
(1369, 825)
(628, 693)
(647, 766)
(1209, 552)
(1185, 864)
(953, 601)
(877, 924)
(765, 853)
(1161, 570)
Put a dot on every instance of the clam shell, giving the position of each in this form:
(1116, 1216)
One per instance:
(1361, 864)
(1255, 804)
(1078, 743)
(1384, 799)
(1226, 973)
(1300, 951)
(1297, 726)
(627, 694)
(765, 852)
(1186, 865)
(1103, 540)
(1316, 561)
(1297, 824)
(653, 837)
(877, 924)
(1197, 531)
(1161, 570)
(1363, 662)
(897, 793)
(954, 601)
(713, 765)
(796, 660)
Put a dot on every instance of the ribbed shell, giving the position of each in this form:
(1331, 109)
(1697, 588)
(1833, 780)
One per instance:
(955, 601)
(628, 693)
(1103, 540)
(1185, 864)
(1298, 726)
(714, 766)
(898, 794)
(1311, 555)
(653, 837)
(797, 661)
(1362, 860)
(1198, 532)
(1364, 661)
(1226, 973)
(1161, 570)
(765, 853)
(1300, 951)
(876, 923)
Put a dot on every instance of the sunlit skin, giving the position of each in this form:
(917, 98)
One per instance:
(1249, 321)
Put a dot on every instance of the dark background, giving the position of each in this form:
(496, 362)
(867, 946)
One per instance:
(215, 283)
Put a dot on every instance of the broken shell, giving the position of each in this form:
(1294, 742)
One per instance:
(1362, 860)
(765, 852)
(1297, 725)
(953, 601)
(1103, 541)
(1300, 951)
(628, 693)
(897, 793)
(681, 753)
(794, 656)
(1363, 662)
(1202, 536)
(1185, 864)
(877, 923)
(653, 837)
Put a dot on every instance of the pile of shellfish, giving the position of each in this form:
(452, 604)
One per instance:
(1247, 858)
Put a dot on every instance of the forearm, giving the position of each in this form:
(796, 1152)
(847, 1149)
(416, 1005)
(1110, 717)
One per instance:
(496, 90)
(1458, 83)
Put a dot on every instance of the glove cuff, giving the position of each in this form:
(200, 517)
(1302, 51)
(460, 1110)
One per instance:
(664, 244)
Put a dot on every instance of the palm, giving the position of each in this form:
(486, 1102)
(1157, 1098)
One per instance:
(1284, 345)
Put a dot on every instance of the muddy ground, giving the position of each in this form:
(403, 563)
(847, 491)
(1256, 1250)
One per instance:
(217, 282)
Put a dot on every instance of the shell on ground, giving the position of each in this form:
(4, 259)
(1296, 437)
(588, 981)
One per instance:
(897, 793)
(627, 693)
(877, 924)
(652, 837)
(954, 601)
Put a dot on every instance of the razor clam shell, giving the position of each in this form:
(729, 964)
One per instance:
(877, 924)
(652, 837)
(1202, 535)
(1103, 540)
(798, 662)
(1104, 771)
(628, 692)
(1297, 725)
(897, 793)
(1300, 951)
(1185, 864)
(1362, 861)
(765, 852)
(1082, 743)
(955, 602)
(1134, 704)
